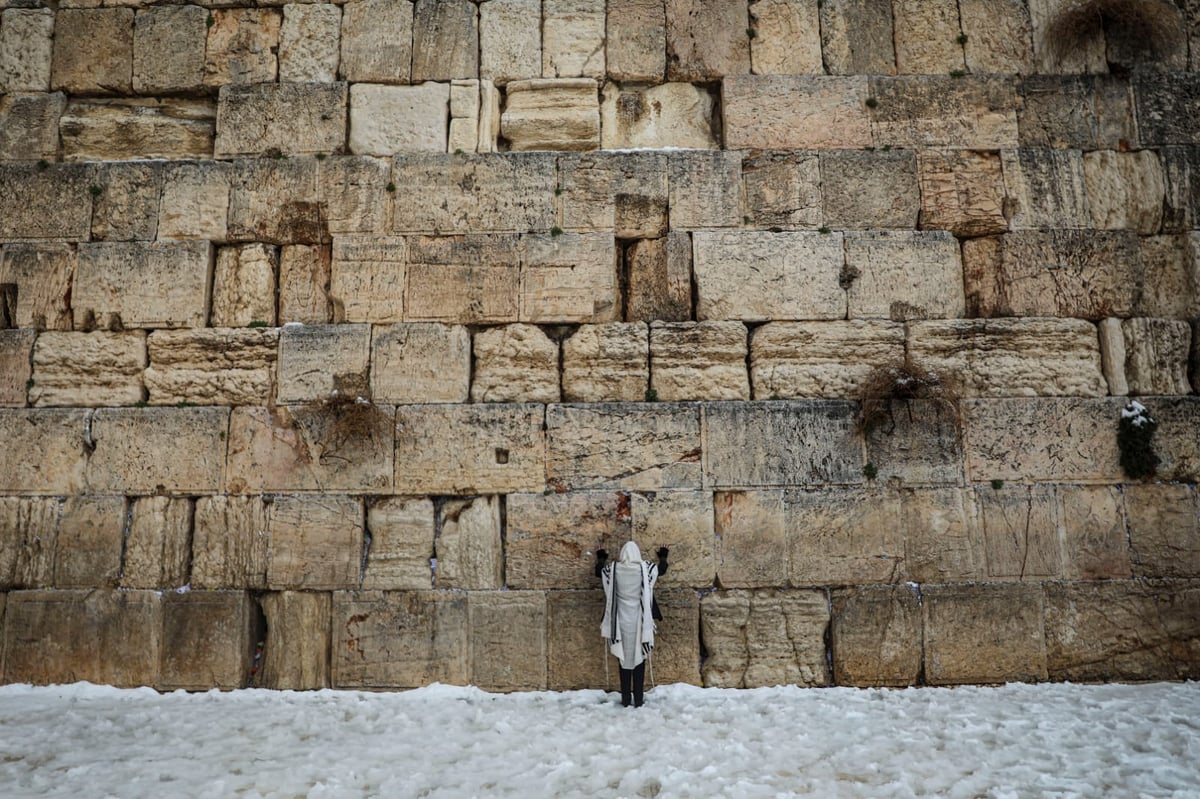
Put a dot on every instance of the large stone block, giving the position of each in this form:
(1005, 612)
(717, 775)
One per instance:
(45, 451)
(242, 46)
(796, 112)
(88, 369)
(211, 366)
(351, 191)
(321, 361)
(29, 126)
(510, 48)
(52, 203)
(89, 542)
(787, 37)
(1012, 357)
(1146, 356)
(857, 37)
(400, 639)
(787, 629)
(376, 41)
(962, 192)
(758, 276)
(469, 544)
(158, 544)
(1019, 529)
(970, 112)
(1164, 530)
(636, 41)
(1164, 100)
(26, 38)
(244, 286)
(875, 636)
(676, 655)
(1125, 190)
(43, 275)
(902, 275)
(983, 633)
(552, 538)
(126, 209)
(706, 39)
(666, 115)
(941, 535)
(751, 530)
(16, 366)
(445, 40)
(780, 444)
(304, 275)
(93, 50)
(919, 444)
(573, 625)
(142, 284)
(1095, 541)
(195, 201)
(296, 655)
(1127, 630)
(1181, 185)
(464, 279)
(820, 359)
(388, 119)
(127, 446)
(699, 361)
(659, 276)
(168, 49)
(208, 640)
(573, 38)
(1045, 189)
(844, 537)
(643, 447)
(308, 42)
(705, 189)
(1090, 112)
(28, 540)
(367, 278)
(316, 543)
(420, 362)
(620, 193)
(999, 36)
(294, 118)
(569, 278)
(1170, 277)
(552, 114)
(605, 363)
(869, 189)
(681, 521)
(515, 363)
(508, 640)
(469, 449)
(927, 36)
(400, 541)
(783, 190)
(229, 543)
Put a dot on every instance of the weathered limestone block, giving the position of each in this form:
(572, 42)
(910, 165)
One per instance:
(515, 363)
(420, 362)
(29, 126)
(243, 290)
(754, 276)
(1090, 112)
(1125, 190)
(16, 366)
(941, 536)
(781, 444)
(1146, 357)
(999, 36)
(622, 193)
(390, 119)
(400, 544)
(142, 284)
(1019, 529)
(229, 543)
(45, 451)
(1012, 357)
(211, 366)
(474, 193)
(795, 112)
(1049, 53)
(376, 41)
(705, 189)
(308, 42)
(572, 628)
(604, 363)
(158, 545)
(195, 201)
(1095, 544)
(88, 369)
(296, 654)
(962, 192)
(56, 637)
(242, 46)
(1164, 530)
(868, 189)
(1128, 630)
(1046, 189)
(508, 640)
(698, 361)
(464, 116)
(445, 40)
(787, 628)
(920, 444)
(1086, 274)
(349, 189)
(904, 274)
(26, 39)
(971, 112)
(751, 531)
(1181, 181)
(399, 639)
(552, 537)
(681, 521)
(783, 190)
(1164, 101)
(573, 38)
(93, 50)
(568, 278)
(875, 636)
(857, 37)
(129, 443)
(43, 274)
(983, 633)
(293, 118)
(208, 640)
(1050, 439)
(820, 359)
(304, 276)
(677, 639)
(659, 279)
(367, 278)
(89, 542)
(127, 207)
(469, 544)
(168, 49)
(844, 537)
(1171, 277)
(1194, 358)
(706, 39)
(315, 542)
(510, 46)
(464, 279)
(552, 114)
(317, 360)
(636, 41)
(50, 203)
(787, 37)
(666, 115)
(469, 449)
(489, 117)
(622, 445)
(927, 36)
(28, 537)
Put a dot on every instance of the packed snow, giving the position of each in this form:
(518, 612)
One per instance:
(85, 741)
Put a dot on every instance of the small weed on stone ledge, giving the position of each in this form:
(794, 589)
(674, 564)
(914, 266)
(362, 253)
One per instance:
(1135, 434)
(997, 485)
(870, 471)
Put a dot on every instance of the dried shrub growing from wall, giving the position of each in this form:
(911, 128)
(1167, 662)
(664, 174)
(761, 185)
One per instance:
(884, 386)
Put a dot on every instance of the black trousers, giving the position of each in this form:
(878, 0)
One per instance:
(633, 685)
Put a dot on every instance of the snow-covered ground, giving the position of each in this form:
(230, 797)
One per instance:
(85, 741)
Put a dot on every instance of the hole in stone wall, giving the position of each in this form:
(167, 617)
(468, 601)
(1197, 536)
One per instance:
(501, 455)
(8, 305)
(1138, 33)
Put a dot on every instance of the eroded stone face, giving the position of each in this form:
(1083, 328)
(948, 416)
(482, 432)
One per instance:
(984, 633)
(315, 361)
(93, 50)
(169, 49)
(510, 48)
(244, 286)
(666, 115)
(400, 547)
(1019, 527)
(263, 118)
(242, 46)
(783, 190)
(46, 454)
(88, 369)
(606, 363)
(699, 361)
(445, 40)
(1164, 530)
(636, 41)
(970, 112)
(229, 543)
(142, 285)
(941, 535)
(388, 119)
(376, 41)
(89, 542)
(552, 114)
(1095, 541)
(29, 126)
(211, 366)
(469, 546)
(903, 275)
(869, 189)
(308, 43)
(875, 636)
(788, 631)
(128, 443)
(961, 191)
(515, 363)
(751, 527)
(296, 654)
(207, 640)
(796, 112)
(420, 362)
(844, 537)
(857, 37)
(681, 521)
(16, 369)
(787, 37)
(552, 538)
(315, 543)
(508, 640)
(706, 39)
(158, 545)
(790, 360)
(26, 37)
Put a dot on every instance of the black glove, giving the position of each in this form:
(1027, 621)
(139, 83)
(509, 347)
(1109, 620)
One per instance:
(662, 552)
(601, 554)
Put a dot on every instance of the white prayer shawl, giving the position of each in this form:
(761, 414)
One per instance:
(628, 623)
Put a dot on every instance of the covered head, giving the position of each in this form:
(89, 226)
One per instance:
(630, 553)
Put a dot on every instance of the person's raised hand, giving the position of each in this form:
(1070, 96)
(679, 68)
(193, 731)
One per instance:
(601, 554)
(663, 552)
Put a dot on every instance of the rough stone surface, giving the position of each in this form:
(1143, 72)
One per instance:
(304, 275)
(983, 633)
(296, 652)
(1125, 190)
(242, 46)
(820, 359)
(783, 190)
(705, 189)
(552, 114)
(606, 363)
(168, 49)
(1091, 112)
(508, 640)
(999, 36)
(941, 537)
(469, 544)
(796, 112)
(244, 286)
(681, 521)
(1095, 543)
(1046, 189)
(1181, 183)
(573, 38)
(571, 619)
(706, 39)
(30, 527)
(53, 203)
(962, 192)
(926, 36)
(1164, 530)
(787, 37)
(229, 543)
(127, 207)
(128, 443)
(89, 542)
(698, 361)
(315, 542)
(1018, 527)
(158, 544)
(290, 118)
(317, 360)
(43, 275)
(420, 362)
(16, 366)
(29, 126)
(195, 201)
(445, 40)
(510, 48)
(970, 112)
(622, 193)
(207, 640)
(1163, 100)
(464, 279)
(636, 41)
(88, 369)
(751, 530)
(920, 443)
(211, 366)
(659, 279)
(666, 115)
(1170, 277)
(551, 537)
(844, 537)
(376, 41)
(515, 363)
(142, 285)
(46, 451)
(389, 119)
(308, 42)
(1147, 357)
(93, 50)
(875, 636)
(26, 40)
(569, 278)
(869, 189)
(857, 37)
(400, 544)
(788, 630)
(902, 275)
(367, 278)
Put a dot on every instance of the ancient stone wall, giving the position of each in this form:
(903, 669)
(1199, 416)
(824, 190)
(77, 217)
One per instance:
(357, 328)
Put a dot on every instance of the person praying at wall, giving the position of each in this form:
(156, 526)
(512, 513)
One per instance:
(629, 614)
